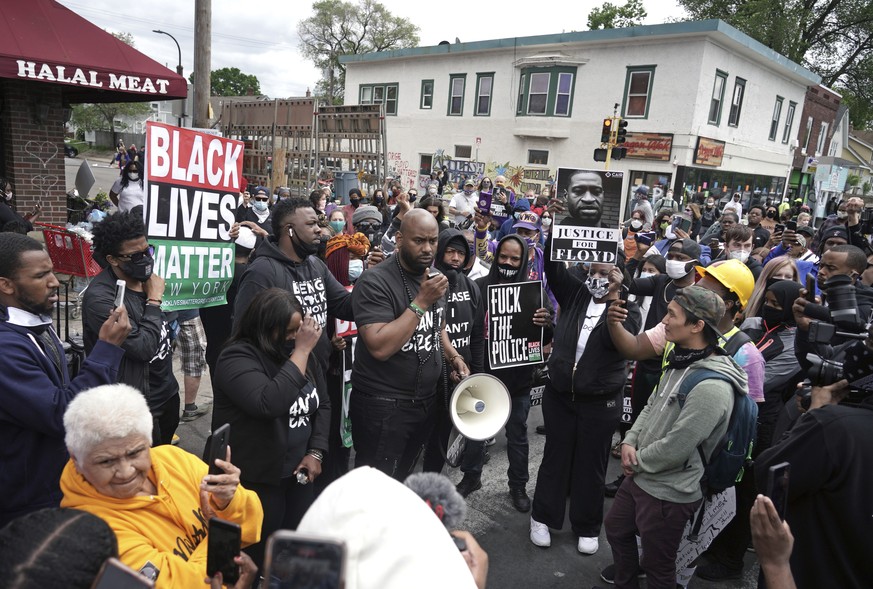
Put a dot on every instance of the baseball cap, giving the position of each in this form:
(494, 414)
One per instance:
(806, 230)
(642, 189)
(703, 303)
(521, 204)
(528, 220)
(469, 182)
(260, 190)
(689, 247)
(836, 231)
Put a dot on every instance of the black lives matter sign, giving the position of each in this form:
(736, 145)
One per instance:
(513, 339)
(571, 243)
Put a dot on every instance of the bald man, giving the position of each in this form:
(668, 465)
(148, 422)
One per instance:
(401, 349)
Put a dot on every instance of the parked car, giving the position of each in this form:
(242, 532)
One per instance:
(70, 151)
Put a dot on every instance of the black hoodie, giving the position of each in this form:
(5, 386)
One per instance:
(517, 379)
(310, 281)
(463, 300)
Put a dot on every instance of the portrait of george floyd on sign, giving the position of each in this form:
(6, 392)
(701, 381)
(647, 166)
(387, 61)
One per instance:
(514, 339)
(193, 185)
(584, 235)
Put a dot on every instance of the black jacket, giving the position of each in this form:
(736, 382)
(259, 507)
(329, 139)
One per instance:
(318, 292)
(601, 369)
(254, 394)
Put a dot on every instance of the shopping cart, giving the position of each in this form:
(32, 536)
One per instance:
(71, 255)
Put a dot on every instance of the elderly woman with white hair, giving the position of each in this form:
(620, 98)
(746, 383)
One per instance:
(158, 501)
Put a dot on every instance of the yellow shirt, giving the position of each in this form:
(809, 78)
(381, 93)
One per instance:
(165, 532)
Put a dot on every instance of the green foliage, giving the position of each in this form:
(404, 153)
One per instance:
(853, 180)
(611, 16)
(230, 81)
(866, 187)
(833, 38)
(341, 28)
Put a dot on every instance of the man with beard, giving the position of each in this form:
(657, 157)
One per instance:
(401, 351)
(584, 199)
(466, 334)
(33, 375)
(286, 259)
(510, 265)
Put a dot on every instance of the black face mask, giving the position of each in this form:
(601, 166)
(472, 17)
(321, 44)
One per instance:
(771, 215)
(772, 317)
(506, 271)
(378, 200)
(356, 202)
(141, 270)
(303, 250)
(288, 348)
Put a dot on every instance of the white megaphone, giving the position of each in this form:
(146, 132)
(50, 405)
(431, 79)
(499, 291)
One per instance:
(480, 406)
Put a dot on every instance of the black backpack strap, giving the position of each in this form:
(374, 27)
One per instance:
(736, 341)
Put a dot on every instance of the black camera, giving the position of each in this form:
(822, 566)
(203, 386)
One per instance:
(842, 310)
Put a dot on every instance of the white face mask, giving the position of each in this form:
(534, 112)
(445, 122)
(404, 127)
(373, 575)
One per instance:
(133, 176)
(646, 274)
(432, 190)
(842, 215)
(547, 221)
(742, 256)
(356, 268)
(598, 287)
(676, 269)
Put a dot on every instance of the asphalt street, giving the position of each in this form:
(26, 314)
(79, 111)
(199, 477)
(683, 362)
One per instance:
(502, 531)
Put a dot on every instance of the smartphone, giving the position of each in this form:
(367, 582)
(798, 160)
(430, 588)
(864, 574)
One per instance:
(225, 542)
(779, 228)
(120, 287)
(792, 225)
(682, 223)
(114, 574)
(777, 487)
(645, 238)
(216, 447)
(810, 288)
(304, 562)
(433, 273)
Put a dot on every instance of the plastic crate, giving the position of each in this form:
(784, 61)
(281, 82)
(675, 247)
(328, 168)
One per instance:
(69, 252)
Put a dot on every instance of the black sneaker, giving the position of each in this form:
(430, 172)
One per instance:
(468, 484)
(541, 430)
(612, 488)
(608, 574)
(520, 500)
(715, 571)
(194, 413)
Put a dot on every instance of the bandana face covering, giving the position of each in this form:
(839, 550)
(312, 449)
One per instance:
(684, 357)
(506, 271)
(598, 287)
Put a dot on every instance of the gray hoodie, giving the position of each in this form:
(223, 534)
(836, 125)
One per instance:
(666, 439)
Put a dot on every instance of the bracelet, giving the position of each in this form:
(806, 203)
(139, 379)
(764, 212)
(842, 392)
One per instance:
(453, 358)
(416, 309)
(315, 453)
(158, 302)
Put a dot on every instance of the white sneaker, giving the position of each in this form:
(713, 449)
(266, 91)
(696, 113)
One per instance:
(586, 545)
(539, 534)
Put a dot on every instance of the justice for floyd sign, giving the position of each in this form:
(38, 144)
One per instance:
(579, 237)
(193, 187)
(513, 339)
(584, 244)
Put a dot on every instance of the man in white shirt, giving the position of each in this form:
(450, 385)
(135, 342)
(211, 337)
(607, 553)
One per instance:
(463, 204)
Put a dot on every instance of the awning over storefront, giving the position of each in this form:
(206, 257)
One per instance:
(42, 41)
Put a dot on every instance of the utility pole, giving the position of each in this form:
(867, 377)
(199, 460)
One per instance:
(202, 61)
(179, 105)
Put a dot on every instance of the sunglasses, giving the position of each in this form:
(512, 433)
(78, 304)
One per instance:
(138, 256)
(262, 198)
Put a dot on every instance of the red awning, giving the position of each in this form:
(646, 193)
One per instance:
(42, 41)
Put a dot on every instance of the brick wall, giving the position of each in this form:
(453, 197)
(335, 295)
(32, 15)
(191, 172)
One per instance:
(820, 104)
(32, 136)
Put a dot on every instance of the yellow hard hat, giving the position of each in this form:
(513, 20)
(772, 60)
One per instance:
(734, 274)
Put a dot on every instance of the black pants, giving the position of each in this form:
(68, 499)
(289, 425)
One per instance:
(165, 420)
(435, 448)
(284, 505)
(336, 462)
(389, 433)
(576, 456)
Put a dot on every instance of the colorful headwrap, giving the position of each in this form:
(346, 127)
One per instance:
(358, 244)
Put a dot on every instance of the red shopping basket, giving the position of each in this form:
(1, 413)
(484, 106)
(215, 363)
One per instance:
(69, 252)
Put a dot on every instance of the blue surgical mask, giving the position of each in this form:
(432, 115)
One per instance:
(356, 268)
(337, 226)
(260, 205)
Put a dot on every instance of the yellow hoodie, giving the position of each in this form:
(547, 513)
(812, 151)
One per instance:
(164, 534)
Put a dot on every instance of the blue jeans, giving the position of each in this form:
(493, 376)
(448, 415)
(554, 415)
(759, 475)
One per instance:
(516, 446)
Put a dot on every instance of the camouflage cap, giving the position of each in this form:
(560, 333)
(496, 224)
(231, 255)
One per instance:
(703, 303)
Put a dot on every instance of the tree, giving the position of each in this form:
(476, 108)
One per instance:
(101, 117)
(833, 38)
(342, 28)
(230, 81)
(610, 16)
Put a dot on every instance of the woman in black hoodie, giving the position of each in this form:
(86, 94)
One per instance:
(582, 404)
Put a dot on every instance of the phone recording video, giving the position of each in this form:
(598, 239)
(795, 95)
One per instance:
(777, 487)
(297, 561)
(216, 447)
(791, 225)
(225, 543)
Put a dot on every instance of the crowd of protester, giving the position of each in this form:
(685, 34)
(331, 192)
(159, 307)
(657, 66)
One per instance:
(707, 302)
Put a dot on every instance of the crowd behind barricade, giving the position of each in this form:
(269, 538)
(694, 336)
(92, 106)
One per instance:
(726, 339)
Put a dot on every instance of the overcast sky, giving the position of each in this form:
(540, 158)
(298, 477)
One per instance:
(260, 36)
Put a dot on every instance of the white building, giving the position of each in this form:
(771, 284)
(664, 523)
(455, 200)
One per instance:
(709, 108)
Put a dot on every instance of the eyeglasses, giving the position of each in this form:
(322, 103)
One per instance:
(136, 257)
(262, 198)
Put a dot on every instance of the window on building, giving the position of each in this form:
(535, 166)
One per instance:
(538, 157)
(426, 94)
(464, 151)
(822, 137)
(638, 91)
(380, 94)
(717, 97)
(808, 136)
(774, 123)
(546, 91)
(456, 94)
(484, 89)
(425, 164)
(789, 120)
(737, 102)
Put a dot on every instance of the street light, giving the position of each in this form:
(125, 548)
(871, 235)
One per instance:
(178, 70)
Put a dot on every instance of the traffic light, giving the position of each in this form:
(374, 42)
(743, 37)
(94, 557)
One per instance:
(606, 131)
(600, 155)
(619, 153)
(621, 133)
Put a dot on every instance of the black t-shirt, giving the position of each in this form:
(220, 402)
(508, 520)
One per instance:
(162, 382)
(381, 297)
(662, 290)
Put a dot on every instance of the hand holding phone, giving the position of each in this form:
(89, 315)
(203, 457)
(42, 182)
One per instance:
(225, 543)
(120, 287)
(792, 225)
(810, 288)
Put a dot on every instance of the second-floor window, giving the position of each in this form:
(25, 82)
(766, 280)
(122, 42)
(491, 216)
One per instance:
(774, 123)
(484, 90)
(638, 91)
(737, 102)
(380, 94)
(546, 91)
(457, 83)
(717, 97)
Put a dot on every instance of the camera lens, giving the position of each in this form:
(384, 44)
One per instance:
(842, 303)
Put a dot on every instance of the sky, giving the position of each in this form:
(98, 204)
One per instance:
(260, 36)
